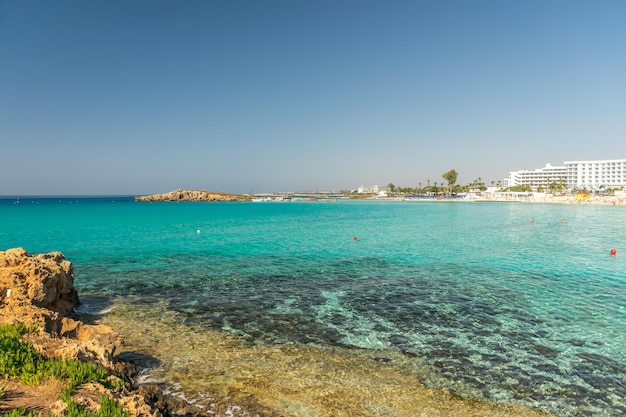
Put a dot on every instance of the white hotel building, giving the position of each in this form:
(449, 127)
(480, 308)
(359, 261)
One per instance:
(540, 177)
(589, 175)
(593, 175)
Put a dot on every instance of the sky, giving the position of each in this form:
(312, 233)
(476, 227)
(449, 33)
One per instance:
(139, 97)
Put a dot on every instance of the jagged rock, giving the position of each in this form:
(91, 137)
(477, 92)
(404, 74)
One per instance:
(39, 290)
(45, 280)
(84, 351)
(194, 195)
(138, 405)
(169, 406)
(35, 290)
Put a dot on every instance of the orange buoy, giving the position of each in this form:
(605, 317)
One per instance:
(613, 252)
(355, 239)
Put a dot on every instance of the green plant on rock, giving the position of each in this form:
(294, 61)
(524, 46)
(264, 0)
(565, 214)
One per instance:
(21, 412)
(19, 360)
(108, 408)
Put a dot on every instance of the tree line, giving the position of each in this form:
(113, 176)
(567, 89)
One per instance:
(450, 186)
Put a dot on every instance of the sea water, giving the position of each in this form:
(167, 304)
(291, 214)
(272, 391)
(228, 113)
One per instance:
(471, 297)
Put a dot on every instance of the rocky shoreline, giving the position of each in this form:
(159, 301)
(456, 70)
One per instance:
(39, 291)
(194, 195)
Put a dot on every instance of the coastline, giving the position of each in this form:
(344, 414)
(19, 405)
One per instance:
(590, 201)
(289, 379)
(37, 291)
(247, 379)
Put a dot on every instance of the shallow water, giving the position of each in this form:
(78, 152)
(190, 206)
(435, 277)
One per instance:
(288, 378)
(470, 297)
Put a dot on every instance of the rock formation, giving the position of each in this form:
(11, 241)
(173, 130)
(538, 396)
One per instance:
(36, 290)
(39, 290)
(194, 195)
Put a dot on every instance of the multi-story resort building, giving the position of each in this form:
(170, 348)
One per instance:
(540, 177)
(589, 175)
(594, 175)
(371, 189)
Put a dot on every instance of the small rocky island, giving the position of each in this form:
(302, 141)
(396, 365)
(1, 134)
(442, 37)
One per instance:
(194, 195)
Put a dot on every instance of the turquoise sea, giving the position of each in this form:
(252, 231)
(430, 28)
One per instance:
(478, 299)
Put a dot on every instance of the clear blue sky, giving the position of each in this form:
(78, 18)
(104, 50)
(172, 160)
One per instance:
(137, 97)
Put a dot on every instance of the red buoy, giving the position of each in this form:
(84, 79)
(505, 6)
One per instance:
(613, 252)
(355, 239)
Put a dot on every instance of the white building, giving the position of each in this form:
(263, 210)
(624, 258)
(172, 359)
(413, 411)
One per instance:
(588, 175)
(371, 189)
(595, 175)
(540, 177)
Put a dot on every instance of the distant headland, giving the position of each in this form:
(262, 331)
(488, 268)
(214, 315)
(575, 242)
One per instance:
(194, 195)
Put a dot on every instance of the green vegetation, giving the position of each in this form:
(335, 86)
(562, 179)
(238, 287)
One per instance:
(477, 184)
(363, 196)
(108, 408)
(20, 361)
(21, 412)
(451, 177)
(520, 189)
(436, 188)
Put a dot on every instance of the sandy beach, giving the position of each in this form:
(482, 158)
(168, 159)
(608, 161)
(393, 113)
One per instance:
(569, 199)
(615, 200)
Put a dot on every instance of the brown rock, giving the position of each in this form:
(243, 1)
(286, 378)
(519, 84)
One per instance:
(194, 195)
(45, 280)
(39, 290)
